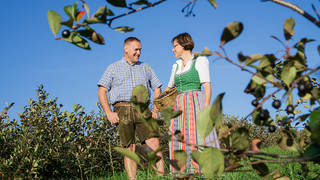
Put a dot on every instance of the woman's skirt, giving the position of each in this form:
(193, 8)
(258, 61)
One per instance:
(190, 103)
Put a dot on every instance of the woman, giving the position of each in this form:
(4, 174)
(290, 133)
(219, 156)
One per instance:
(188, 74)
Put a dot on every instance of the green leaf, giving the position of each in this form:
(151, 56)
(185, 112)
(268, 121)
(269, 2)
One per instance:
(242, 58)
(216, 111)
(206, 52)
(87, 9)
(130, 154)
(240, 139)
(181, 157)
(78, 41)
(68, 23)
(123, 29)
(211, 161)
(71, 11)
(288, 28)
(213, 3)
(141, 93)
(288, 74)
(257, 79)
(252, 59)
(261, 168)
(54, 21)
(230, 32)
(118, 3)
(267, 60)
(92, 35)
(204, 122)
(103, 12)
(313, 150)
(315, 126)
(94, 20)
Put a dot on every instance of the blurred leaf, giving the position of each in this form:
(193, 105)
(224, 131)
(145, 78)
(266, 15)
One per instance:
(252, 59)
(257, 79)
(71, 11)
(206, 52)
(87, 9)
(313, 150)
(103, 12)
(211, 161)
(130, 154)
(181, 157)
(213, 3)
(288, 74)
(314, 125)
(80, 16)
(287, 143)
(141, 93)
(94, 20)
(118, 3)
(78, 41)
(54, 21)
(240, 138)
(123, 29)
(267, 60)
(216, 111)
(230, 32)
(204, 122)
(288, 28)
(92, 35)
(242, 58)
(261, 168)
(97, 38)
(319, 49)
(68, 23)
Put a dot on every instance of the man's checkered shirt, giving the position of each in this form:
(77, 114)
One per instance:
(120, 78)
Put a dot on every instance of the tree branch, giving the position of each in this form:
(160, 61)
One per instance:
(109, 21)
(298, 10)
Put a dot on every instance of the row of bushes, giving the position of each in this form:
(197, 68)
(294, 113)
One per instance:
(47, 142)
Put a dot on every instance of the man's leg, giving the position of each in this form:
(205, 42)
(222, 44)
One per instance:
(154, 144)
(130, 165)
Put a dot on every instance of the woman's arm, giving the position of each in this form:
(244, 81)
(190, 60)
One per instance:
(207, 93)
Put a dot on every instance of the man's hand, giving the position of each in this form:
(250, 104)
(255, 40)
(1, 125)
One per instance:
(113, 117)
(155, 114)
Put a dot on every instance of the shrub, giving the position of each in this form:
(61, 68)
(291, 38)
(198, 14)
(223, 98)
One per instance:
(50, 143)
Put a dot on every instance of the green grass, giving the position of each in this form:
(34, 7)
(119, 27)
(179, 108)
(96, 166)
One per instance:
(291, 170)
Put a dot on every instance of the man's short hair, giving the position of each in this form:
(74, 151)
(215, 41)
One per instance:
(130, 39)
(185, 40)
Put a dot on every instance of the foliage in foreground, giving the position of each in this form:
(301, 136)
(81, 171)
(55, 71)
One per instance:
(48, 143)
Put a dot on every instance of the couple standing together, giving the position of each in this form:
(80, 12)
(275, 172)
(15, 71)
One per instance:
(188, 74)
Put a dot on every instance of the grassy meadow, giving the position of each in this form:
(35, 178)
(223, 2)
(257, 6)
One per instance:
(291, 170)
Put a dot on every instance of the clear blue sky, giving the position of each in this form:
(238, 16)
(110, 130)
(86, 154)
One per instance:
(30, 56)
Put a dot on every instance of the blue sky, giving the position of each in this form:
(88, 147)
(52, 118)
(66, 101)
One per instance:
(30, 55)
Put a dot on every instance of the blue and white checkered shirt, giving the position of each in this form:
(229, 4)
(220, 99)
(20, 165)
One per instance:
(120, 78)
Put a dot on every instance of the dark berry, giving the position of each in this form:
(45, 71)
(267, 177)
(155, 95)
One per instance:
(272, 128)
(301, 87)
(255, 103)
(276, 104)
(263, 115)
(309, 87)
(65, 33)
(290, 109)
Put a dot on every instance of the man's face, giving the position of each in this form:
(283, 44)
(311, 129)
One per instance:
(132, 51)
(177, 49)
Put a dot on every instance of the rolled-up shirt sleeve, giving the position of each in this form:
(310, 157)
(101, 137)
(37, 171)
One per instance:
(171, 80)
(154, 80)
(106, 78)
(202, 66)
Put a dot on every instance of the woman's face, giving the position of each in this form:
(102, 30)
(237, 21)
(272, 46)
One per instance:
(177, 49)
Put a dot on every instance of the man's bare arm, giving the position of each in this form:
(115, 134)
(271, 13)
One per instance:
(112, 116)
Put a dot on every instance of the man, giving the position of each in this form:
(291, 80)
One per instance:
(118, 80)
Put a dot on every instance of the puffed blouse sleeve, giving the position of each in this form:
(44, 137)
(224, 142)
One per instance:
(202, 66)
(171, 81)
